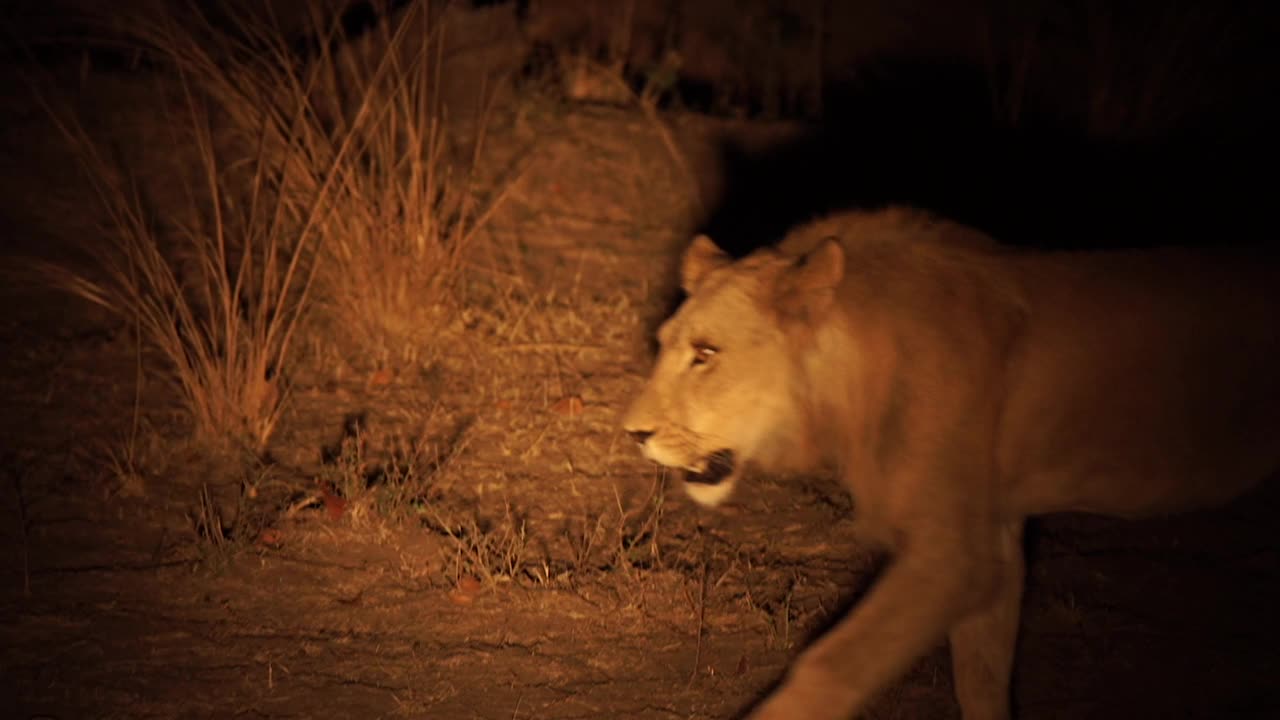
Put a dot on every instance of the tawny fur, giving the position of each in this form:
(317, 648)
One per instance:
(958, 388)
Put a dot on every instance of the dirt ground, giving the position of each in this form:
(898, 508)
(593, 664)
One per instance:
(570, 580)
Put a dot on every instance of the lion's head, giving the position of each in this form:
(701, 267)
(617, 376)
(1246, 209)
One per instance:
(723, 391)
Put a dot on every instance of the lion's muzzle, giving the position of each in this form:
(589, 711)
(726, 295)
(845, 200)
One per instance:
(719, 466)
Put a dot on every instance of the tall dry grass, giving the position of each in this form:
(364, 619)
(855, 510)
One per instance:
(221, 295)
(322, 182)
(362, 122)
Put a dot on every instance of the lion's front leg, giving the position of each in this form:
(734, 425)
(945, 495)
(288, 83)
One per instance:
(930, 586)
(982, 644)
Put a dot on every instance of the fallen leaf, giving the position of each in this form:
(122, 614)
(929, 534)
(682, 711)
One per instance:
(570, 407)
(270, 538)
(334, 505)
(466, 591)
(381, 377)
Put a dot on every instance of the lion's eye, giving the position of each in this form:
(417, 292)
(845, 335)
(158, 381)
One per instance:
(702, 353)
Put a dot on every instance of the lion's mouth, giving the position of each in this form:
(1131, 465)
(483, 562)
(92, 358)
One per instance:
(719, 466)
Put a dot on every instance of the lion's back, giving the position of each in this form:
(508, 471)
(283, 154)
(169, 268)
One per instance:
(1143, 380)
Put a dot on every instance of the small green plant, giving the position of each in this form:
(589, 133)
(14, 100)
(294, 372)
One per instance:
(124, 469)
(207, 522)
(492, 550)
(639, 529)
(347, 476)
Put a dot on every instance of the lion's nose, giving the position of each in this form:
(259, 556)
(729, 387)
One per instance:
(640, 435)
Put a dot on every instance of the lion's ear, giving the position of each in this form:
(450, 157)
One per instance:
(702, 256)
(809, 284)
(822, 268)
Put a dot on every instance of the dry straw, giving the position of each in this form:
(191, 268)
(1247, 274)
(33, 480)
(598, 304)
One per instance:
(337, 192)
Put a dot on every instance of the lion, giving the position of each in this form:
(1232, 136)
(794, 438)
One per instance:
(958, 387)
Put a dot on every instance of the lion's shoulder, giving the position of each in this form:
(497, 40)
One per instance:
(902, 258)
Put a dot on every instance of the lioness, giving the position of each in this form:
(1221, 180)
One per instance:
(959, 387)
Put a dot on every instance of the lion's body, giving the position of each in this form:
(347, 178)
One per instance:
(959, 388)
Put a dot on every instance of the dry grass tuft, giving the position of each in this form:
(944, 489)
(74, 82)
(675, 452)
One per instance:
(494, 550)
(220, 296)
(358, 127)
(323, 179)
